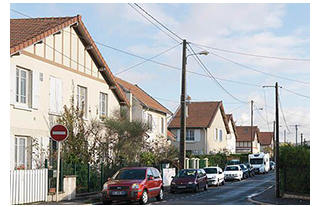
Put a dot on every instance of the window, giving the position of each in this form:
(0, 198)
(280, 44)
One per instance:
(249, 144)
(103, 105)
(156, 173)
(20, 152)
(241, 144)
(237, 144)
(190, 135)
(22, 86)
(220, 135)
(55, 95)
(162, 125)
(149, 173)
(245, 144)
(216, 134)
(82, 99)
(150, 121)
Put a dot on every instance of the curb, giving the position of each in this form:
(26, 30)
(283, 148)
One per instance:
(250, 198)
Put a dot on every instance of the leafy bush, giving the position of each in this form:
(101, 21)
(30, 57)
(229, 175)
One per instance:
(294, 168)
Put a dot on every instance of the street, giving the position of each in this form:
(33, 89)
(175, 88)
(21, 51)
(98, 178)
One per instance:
(232, 193)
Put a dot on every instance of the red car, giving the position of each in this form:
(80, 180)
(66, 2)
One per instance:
(133, 184)
(189, 179)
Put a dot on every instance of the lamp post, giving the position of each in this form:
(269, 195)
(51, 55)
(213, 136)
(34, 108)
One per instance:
(182, 143)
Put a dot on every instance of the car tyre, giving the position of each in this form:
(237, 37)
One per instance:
(106, 202)
(144, 198)
(196, 189)
(217, 185)
(160, 195)
(223, 183)
(206, 187)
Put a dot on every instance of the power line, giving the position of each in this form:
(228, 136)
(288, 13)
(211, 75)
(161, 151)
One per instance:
(262, 116)
(250, 68)
(283, 115)
(266, 109)
(252, 55)
(127, 69)
(159, 22)
(231, 111)
(296, 93)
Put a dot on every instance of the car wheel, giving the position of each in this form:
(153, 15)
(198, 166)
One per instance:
(206, 187)
(223, 183)
(107, 202)
(217, 185)
(160, 195)
(144, 198)
(196, 189)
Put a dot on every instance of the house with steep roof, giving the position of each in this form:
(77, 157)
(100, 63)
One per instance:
(245, 138)
(266, 142)
(206, 128)
(232, 136)
(146, 109)
(52, 59)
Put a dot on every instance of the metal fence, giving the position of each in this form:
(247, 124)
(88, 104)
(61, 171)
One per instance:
(28, 186)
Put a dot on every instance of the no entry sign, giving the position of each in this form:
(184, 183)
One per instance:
(59, 133)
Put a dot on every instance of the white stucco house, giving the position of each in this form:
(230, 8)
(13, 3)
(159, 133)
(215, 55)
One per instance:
(207, 128)
(232, 136)
(49, 57)
(146, 109)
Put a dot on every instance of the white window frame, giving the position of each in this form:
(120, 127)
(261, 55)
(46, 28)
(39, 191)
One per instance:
(79, 103)
(190, 135)
(162, 125)
(150, 121)
(18, 95)
(57, 108)
(17, 152)
(216, 134)
(220, 135)
(103, 114)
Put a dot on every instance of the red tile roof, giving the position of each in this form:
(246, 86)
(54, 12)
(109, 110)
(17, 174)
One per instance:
(143, 97)
(244, 133)
(27, 31)
(230, 118)
(265, 138)
(200, 115)
(171, 135)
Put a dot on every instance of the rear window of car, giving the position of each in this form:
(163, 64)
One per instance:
(231, 168)
(130, 174)
(211, 170)
(186, 173)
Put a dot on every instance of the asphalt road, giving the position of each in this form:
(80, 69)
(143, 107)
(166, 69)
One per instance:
(232, 193)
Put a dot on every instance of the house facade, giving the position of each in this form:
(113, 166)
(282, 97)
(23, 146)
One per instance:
(146, 109)
(206, 128)
(52, 59)
(244, 139)
(266, 142)
(232, 136)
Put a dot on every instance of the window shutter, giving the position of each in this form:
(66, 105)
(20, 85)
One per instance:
(35, 90)
(12, 83)
(58, 95)
(52, 95)
(197, 134)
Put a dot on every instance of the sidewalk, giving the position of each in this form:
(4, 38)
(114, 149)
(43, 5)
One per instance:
(268, 198)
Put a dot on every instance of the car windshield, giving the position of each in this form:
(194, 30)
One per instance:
(186, 173)
(256, 161)
(211, 170)
(130, 174)
(231, 168)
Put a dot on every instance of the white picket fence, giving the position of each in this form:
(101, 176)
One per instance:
(28, 186)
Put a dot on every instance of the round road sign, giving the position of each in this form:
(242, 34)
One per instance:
(59, 132)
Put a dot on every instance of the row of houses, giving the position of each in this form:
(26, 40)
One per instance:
(209, 129)
(55, 59)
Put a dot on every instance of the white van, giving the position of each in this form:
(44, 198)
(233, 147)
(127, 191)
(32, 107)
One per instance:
(260, 162)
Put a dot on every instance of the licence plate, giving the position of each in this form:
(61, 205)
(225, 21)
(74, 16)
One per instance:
(118, 193)
(181, 186)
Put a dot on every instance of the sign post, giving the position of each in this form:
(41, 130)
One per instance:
(58, 133)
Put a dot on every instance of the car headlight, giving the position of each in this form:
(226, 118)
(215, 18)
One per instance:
(105, 186)
(173, 183)
(135, 186)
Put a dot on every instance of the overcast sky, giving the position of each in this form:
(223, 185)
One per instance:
(277, 30)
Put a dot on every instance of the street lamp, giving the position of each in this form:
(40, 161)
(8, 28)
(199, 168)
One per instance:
(251, 127)
(182, 143)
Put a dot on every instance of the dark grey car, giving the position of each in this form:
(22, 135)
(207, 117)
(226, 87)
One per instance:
(245, 171)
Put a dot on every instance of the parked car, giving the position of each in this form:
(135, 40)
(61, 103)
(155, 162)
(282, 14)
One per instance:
(245, 171)
(133, 184)
(272, 165)
(215, 176)
(233, 172)
(251, 169)
(189, 179)
(233, 162)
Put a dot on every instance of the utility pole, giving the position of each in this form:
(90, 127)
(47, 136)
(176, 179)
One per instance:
(251, 126)
(182, 141)
(285, 136)
(274, 140)
(277, 144)
(296, 126)
(302, 139)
